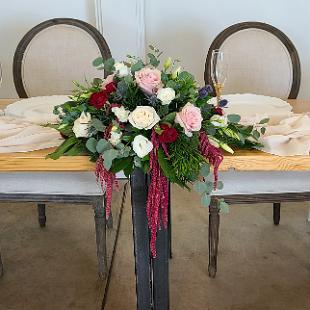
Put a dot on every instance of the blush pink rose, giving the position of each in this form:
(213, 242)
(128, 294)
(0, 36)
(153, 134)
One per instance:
(109, 79)
(149, 80)
(189, 118)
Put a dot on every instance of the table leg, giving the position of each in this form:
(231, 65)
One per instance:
(161, 271)
(41, 214)
(170, 224)
(1, 267)
(100, 226)
(276, 212)
(214, 223)
(141, 240)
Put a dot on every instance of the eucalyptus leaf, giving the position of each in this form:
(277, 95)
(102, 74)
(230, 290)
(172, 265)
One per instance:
(223, 206)
(109, 65)
(91, 144)
(220, 185)
(234, 118)
(97, 124)
(200, 187)
(108, 157)
(205, 170)
(169, 117)
(97, 62)
(263, 130)
(137, 66)
(264, 121)
(206, 200)
(103, 145)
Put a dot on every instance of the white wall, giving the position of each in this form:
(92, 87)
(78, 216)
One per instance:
(183, 29)
(19, 16)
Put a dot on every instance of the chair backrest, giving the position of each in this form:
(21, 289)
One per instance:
(53, 54)
(261, 60)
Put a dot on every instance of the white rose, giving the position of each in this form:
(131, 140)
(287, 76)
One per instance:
(81, 125)
(121, 114)
(115, 138)
(166, 95)
(143, 117)
(121, 69)
(142, 146)
(218, 120)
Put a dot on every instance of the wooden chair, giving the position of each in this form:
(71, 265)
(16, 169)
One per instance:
(262, 60)
(48, 58)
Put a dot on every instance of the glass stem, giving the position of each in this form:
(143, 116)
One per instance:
(218, 91)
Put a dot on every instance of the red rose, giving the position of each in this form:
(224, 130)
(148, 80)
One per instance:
(99, 99)
(110, 88)
(169, 134)
(219, 111)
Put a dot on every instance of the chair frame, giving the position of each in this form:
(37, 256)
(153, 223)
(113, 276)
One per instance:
(22, 46)
(214, 216)
(219, 40)
(97, 201)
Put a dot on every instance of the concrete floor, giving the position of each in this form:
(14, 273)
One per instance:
(261, 267)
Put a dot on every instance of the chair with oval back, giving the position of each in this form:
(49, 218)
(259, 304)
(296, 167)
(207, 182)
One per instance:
(47, 59)
(262, 60)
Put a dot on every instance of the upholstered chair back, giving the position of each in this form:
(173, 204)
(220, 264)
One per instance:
(55, 53)
(261, 60)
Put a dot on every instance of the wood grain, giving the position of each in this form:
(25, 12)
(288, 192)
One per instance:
(244, 160)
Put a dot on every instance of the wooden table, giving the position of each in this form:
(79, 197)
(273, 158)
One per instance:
(158, 293)
(245, 160)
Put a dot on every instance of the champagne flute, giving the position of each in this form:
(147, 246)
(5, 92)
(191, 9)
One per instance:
(219, 67)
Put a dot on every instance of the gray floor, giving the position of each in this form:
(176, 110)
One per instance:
(261, 267)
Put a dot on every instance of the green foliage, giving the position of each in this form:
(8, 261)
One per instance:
(234, 118)
(63, 148)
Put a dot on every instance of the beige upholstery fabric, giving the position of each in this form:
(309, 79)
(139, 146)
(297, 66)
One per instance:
(57, 56)
(259, 63)
(74, 183)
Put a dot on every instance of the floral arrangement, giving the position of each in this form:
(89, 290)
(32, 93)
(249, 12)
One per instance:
(157, 120)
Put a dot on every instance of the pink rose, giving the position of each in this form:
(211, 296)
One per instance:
(109, 79)
(189, 118)
(148, 80)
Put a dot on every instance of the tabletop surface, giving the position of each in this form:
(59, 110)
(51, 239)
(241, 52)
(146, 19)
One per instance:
(247, 160)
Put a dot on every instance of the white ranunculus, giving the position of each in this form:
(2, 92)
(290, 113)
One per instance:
(121, 69)
(143, 117)
(115, 138)
(142, 146)
(218, 120)
(166, 95)
(81, 125)
(121, 114)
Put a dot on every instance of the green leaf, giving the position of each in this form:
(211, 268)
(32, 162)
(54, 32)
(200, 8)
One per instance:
(108, 157)
(91, 144)
(103, 145)
(234, 118)
(97, 124)
(170, 117)
(153, 60)
(163, 110)
(263, 130)
(223, 206)
(165, 165)
(97, 62)
(220, 185)
(264, 121)
(64, 147)
(256, 134)
(120, 164)
(137, 161)
(205, 170)
(137, 66)
(109, 65)
(200, 187)
(206, 200)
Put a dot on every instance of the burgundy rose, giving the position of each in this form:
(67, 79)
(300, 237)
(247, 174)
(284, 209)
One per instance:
(99, 99)
(219, 111)
(169, 134)
(110, 88)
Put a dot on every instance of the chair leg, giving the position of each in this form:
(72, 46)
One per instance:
(276, 212)
(1, 267)
(41, 214)
(214, 224)
(170, 224)
(100, 226)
